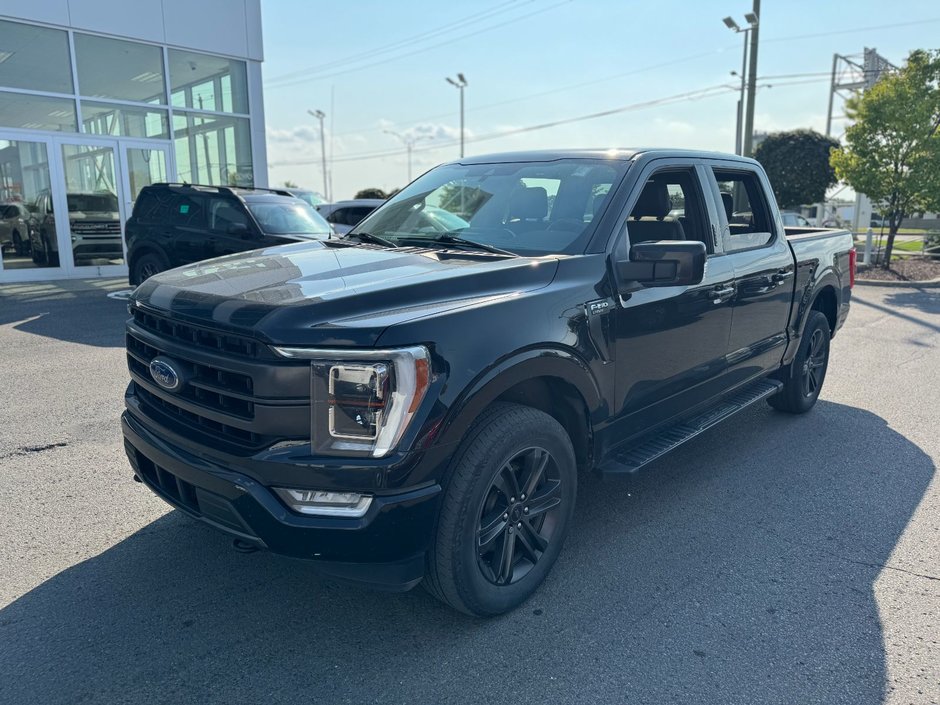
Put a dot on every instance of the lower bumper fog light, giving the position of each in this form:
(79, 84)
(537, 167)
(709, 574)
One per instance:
(320, 503)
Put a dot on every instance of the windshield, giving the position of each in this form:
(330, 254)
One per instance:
(314, 199)
(92, 202)
(288, 218)
(531, 208)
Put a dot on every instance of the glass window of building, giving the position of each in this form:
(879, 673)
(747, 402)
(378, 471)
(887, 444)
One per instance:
(24, 184)
(213, 150)
(36, 112)
(34, 58)
(114, 68)
(124, 121)
(203, 82)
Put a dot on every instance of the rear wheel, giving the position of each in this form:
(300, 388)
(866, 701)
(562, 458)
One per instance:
(505, 513)
(803, 379)
(147, 265)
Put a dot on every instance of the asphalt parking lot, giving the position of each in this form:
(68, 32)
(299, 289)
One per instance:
(774, 559)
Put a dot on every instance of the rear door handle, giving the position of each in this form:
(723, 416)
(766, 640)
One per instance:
(722, 293)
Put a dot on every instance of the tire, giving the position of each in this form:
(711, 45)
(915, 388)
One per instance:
(148, 264)
(19, 247)
(500, 454)
(803, 378)
(52, 258)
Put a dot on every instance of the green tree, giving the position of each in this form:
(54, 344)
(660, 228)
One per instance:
(797, 164)
(371, 193)
(892, 152)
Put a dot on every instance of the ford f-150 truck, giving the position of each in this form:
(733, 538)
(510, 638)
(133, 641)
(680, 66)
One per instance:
(406, 404)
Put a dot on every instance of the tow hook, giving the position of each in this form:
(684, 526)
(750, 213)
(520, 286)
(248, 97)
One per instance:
(243, 546)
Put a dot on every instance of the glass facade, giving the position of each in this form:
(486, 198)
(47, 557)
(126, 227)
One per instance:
(121, 91)
(86, 121)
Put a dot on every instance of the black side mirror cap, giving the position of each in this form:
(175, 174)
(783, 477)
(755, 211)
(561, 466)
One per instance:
(663, 263)
(238, 229)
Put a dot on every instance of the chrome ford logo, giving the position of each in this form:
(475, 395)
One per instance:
(166, 374)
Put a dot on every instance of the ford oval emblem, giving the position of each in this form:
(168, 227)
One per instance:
(166, 373)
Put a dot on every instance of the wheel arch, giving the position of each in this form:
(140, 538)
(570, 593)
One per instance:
(554, 381)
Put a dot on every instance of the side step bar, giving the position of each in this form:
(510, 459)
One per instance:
(661, 442)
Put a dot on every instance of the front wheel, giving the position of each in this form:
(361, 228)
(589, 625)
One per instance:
(803, 379)
(505, 512)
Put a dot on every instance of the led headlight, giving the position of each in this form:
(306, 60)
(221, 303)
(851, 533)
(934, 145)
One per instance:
(362, 401)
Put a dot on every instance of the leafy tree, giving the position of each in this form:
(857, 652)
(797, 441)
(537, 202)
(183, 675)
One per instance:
(797, 164)
(290, 184)
(371, 193)
(892, 152)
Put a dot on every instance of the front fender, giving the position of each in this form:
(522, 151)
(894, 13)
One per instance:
(544, 362)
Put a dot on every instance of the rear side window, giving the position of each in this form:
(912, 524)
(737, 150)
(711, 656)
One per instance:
(749, 223)
(170, 208)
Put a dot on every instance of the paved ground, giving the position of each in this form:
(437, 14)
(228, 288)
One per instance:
(773, 560)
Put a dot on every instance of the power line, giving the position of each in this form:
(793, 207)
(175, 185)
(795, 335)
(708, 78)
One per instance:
(442, 29)
(849, 31)
(386, 60)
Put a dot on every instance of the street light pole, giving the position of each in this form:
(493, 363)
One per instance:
(409, 143)
(742, 144)
(319, 115)
(748, 139)
(460, 84)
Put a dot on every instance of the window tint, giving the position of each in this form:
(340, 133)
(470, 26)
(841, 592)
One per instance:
(670, 207)
(163, 207)
(224, 213)
(746, 210)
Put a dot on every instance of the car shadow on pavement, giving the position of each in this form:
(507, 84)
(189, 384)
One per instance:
(83, 317)
(738, 569)
(925, 302)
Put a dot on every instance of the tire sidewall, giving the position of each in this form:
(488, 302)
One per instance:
(483, 596)
(818, 321)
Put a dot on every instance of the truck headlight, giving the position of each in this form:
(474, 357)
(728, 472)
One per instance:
(362, 401)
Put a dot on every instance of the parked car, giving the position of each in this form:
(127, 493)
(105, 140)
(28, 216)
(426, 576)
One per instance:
(311, 197)
(345, 215)
(94, 227)
(403, 405)
(794, 220)
(176, 224)
(14, 227)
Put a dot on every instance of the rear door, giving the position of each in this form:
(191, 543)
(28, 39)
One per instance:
(753, 240)
(672, 342)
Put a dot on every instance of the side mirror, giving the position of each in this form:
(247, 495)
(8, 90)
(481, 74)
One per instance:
(238, 229)
(664, 263)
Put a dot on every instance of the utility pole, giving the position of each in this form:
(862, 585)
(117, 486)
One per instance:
(409, 142)
(459, 84)
(732, 25)
(319, 115)
(748, 136)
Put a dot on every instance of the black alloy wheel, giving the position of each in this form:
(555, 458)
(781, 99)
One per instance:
(519, 516)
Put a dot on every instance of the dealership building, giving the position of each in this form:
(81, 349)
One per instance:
(99, 99)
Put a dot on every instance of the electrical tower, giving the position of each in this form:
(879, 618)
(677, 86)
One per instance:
(851, 74)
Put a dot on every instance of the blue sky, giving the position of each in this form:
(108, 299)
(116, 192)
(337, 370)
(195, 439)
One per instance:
(375, 65)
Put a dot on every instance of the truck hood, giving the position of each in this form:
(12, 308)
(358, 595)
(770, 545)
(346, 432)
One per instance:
(335, 294)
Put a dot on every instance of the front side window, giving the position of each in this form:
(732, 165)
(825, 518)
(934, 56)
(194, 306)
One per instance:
(670, 207)
(530, 208)
(749, 222)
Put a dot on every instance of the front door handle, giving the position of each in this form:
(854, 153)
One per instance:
(782, 275)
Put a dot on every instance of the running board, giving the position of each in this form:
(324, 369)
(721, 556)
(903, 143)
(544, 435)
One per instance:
(661, 442)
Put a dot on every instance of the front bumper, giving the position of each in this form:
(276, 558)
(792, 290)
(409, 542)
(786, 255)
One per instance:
(384, 548)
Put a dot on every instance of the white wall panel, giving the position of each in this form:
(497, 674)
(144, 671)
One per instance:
(134, 20)
(48, 11)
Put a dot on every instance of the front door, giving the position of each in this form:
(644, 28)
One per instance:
(672, 342)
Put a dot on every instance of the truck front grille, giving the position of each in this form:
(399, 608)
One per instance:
(232, 398)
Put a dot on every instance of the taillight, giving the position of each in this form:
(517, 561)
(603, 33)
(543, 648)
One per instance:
(852, 257)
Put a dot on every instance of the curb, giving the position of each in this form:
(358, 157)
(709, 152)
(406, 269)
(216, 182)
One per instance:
(930, 284)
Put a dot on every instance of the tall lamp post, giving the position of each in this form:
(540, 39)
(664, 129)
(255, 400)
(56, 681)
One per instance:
(739, 140)
(409, 143)
(319, 115)
(459, 84)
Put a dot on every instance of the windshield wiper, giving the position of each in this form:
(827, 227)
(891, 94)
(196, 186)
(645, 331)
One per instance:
(369, 237)
(452, 239)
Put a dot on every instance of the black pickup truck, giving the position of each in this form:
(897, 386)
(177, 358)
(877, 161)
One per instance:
(408, 404)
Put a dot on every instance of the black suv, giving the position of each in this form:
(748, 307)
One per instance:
(176, 224)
